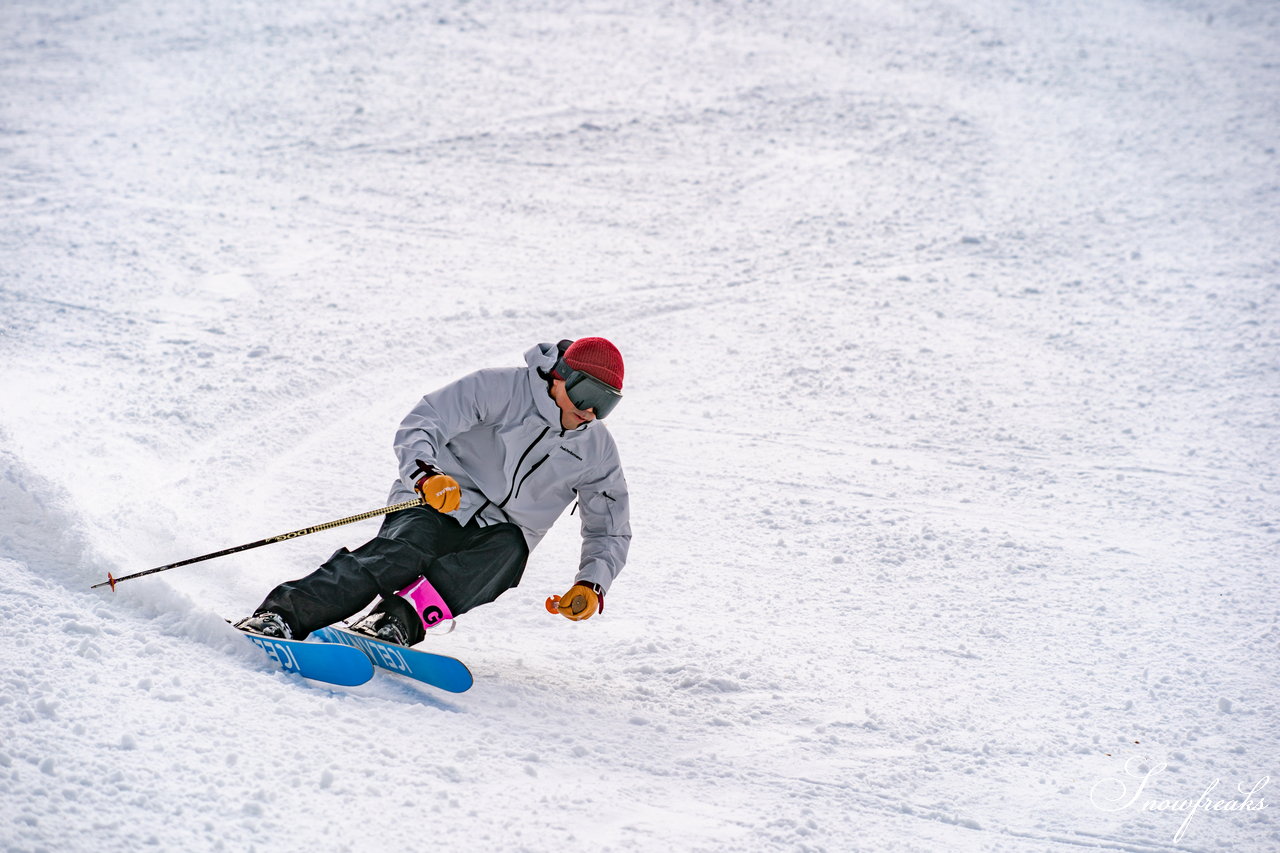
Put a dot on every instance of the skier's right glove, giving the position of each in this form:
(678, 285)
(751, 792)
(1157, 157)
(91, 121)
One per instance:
(439, 490)
(582, 601)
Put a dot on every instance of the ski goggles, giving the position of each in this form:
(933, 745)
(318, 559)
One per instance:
(587, 392)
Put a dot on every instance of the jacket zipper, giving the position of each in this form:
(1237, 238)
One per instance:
(511, 491)
(526, 476)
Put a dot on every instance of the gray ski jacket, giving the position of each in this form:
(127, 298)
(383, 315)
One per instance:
(497, 432)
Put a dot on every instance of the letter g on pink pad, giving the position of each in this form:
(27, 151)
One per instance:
(427, 602)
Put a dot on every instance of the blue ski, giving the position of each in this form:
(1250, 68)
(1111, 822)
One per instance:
(437, 670)
(320, 661)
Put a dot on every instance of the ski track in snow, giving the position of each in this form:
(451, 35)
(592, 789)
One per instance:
(951, 417)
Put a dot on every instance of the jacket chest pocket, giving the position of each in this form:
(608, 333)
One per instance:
(549, 475)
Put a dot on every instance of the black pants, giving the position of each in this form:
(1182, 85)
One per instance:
(468, 566)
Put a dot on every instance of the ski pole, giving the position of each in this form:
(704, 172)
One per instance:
(112, 581)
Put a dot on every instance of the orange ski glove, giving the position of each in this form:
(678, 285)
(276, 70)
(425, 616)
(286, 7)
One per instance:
(582, 601)
(438, 489)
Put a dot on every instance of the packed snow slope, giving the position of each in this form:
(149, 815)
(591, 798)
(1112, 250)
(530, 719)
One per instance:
(950, 418)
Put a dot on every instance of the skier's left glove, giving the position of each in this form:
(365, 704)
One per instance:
(582, 601)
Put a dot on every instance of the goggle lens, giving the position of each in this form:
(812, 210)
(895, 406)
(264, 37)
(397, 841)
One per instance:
(587, 392)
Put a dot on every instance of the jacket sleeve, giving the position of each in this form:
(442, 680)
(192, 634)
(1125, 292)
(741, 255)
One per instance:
(438, 417)
(605, 508)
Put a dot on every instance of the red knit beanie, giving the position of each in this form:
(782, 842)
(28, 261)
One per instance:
(598, 357)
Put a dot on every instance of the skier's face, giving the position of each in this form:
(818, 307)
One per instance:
(571, 417)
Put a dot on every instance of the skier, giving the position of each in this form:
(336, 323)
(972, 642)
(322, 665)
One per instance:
(496, 456)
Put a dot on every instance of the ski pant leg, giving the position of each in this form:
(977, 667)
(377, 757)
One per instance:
(409, 541)
(486, 562)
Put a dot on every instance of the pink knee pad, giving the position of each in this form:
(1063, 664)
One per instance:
(427, 602)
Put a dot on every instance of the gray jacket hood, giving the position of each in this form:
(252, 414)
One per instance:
(541, 359)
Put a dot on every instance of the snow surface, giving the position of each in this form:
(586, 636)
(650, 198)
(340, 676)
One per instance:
(951, 416)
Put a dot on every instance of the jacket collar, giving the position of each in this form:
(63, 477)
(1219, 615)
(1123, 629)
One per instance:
(543, 357)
